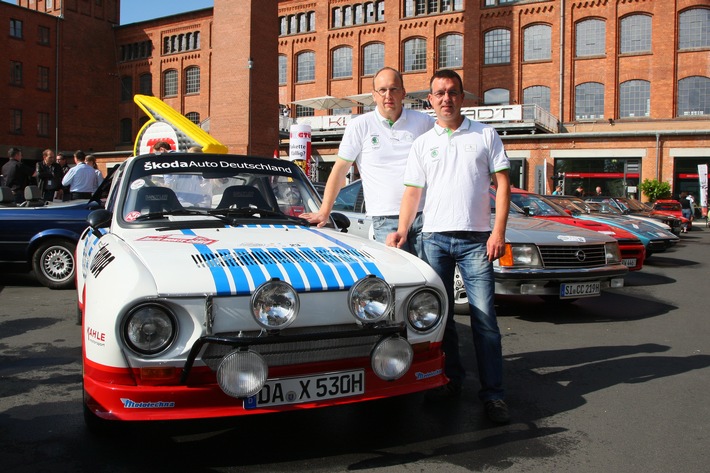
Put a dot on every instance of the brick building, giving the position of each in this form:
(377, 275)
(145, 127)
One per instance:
(608, 92)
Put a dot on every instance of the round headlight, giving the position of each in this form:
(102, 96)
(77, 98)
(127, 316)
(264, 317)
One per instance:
(613, 255)
(370, 299)
(391, 358)
(424, 310)
(242, 373)
(149, 329)
(275, 305)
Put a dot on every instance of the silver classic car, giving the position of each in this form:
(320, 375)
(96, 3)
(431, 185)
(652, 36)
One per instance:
(555, 261)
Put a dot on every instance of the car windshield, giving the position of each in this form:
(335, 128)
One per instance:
(536, 205)
(576, 207)
(667, 206)
(194, 186)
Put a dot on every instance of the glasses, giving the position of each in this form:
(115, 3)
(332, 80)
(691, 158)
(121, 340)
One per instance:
(382, 91)
(439, 94)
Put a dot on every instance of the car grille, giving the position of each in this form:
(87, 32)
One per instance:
(589, 256)
(297, 352)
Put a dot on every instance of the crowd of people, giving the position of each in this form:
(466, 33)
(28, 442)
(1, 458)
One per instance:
(53, 176)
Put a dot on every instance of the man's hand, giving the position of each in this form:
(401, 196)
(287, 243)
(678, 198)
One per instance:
(321, 219)
(396, 239)
(495, 246)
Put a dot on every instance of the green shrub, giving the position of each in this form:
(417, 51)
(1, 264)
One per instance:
(655, 189)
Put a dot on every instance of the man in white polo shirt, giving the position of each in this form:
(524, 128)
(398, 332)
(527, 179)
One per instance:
(455, 163)
(379, 142)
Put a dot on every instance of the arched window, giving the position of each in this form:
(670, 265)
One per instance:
(306, 66)
(170, 83)
(635, 98)
(373, 58)
(589, 101)
(194, 117)
(538, 95)
(537, 43)
(415, 55)
(694, 96)
(342, 62)
(497, 47)
(635, 34)
(496, 97)
(451, 50)
(192, 80)
(694, 28)
(589, 38)
(145, 84)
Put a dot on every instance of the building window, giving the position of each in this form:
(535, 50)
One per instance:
(16, 73)
(492, 3)
(194, 117)
(283, 69)
(589, 39)
(589, 101)
(496, 97)
(139, 50)
(694, 96)
(497, 47)
(430, 7)
(337, 17)
(537, 43)
(380, 7)
(342, 62)
(538, 95)
(415, 55)
(145, 84)
(43, 124)
(42, 78)
(15, 28)
(299, 23)
(181, 42)
(306, 67)
(126, 88)
(126, 131)
(694, 28)
(16, 121)
(302, 111)
(635, 34)
(283, 26)
(635, 98)
(359, 14)
(170, 83)
(373, 58)
(43, 35)
(451, 50)
(192, 80)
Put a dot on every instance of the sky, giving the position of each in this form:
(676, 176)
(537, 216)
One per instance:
(133, 11)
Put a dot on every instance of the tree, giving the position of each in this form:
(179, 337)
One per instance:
(656, 189)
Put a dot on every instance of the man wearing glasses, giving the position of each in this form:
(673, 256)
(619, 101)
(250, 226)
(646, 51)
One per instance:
(379, 142)
(455, 163)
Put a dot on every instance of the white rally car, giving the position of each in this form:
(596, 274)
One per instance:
(203, 294)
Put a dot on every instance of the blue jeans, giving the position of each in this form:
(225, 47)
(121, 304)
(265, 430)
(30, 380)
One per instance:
(384, 225)
(443, 252)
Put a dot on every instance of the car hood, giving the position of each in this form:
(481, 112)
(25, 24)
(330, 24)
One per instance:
(236, 260)
(546, 232)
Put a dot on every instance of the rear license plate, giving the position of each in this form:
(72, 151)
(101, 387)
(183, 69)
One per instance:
(579, 289)
(629, 262)
(277, 392)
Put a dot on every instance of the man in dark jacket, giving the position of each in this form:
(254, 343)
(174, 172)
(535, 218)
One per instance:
(17, 175)
(49, 175)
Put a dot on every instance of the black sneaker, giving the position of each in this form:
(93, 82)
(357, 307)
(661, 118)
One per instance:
(497, 411)
(450, 390)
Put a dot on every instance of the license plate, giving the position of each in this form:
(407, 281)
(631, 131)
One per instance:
(579, 289)
(277, 392)
(629, 262)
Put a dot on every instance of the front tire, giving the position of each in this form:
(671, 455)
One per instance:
(54, 265)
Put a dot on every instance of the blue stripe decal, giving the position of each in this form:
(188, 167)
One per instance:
(241, 281)
(253, 267)
(294, 276)
(268, 262)
(314, 281)
(369, 265)
(341, 267)
(331, 282)
(218, 275)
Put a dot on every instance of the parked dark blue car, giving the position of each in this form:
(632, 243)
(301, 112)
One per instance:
(44, 235)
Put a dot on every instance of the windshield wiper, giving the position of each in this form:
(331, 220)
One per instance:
(165, 213)
(253, 211)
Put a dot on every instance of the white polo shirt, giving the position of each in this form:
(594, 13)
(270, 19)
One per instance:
(455, 168)
(380, 151)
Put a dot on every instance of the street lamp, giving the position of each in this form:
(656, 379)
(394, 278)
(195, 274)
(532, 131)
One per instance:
(250, 65)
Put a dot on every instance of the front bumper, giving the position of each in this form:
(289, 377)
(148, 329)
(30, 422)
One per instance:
(546, 282)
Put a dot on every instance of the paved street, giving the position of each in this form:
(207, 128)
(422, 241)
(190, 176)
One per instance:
(615, 383)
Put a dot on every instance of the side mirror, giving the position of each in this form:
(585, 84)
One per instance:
(526, 210)
(341, 221)
(99, 219)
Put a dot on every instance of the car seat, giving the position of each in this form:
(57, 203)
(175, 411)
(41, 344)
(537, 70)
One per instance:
(243, 196)
(151, 199)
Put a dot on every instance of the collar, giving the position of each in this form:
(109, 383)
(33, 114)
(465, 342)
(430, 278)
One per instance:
(440, 130)
(386, 122)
